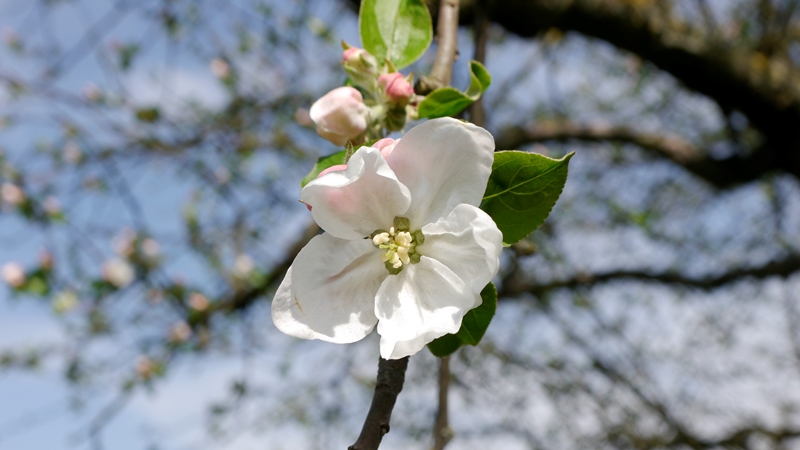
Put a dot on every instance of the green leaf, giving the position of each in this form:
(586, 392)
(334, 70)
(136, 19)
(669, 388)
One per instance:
(148, 115)
(447, 101)
(322, 164)
(397, 30)
(473, 327)
(126, 55)
(522, 190)
(37, 283)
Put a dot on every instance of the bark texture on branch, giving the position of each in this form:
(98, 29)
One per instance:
(391, 375)
(446, 51)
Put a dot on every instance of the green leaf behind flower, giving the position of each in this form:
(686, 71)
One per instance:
(473, 327)
(397, 30)
(522, 190)
(323, 163)
(447, 101)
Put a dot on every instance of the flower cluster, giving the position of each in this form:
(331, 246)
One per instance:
(346, 114)
(405, 246)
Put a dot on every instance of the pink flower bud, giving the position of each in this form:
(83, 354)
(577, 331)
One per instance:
(340, 115)
(397, 88)
(350, 54)
(361, 67)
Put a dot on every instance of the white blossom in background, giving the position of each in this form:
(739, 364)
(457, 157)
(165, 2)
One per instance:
(145, 367)
(72, 152)
(180, 332)
(222, 175)
(124, 243)
(14, 274)
(220, 68)
(46, 260)
(429, 249)
(92, 92)
(341, 115)
(118, 272)
(243, 265)
(51, 205)
(150, 250)
(303, 117)
(198, 301)
(12, 194)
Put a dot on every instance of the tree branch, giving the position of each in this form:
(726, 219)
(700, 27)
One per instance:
(441, 430)
(447, 50)
(391, 375)
(780, 268)
(764, 88)
(477, 113)
(719, 172)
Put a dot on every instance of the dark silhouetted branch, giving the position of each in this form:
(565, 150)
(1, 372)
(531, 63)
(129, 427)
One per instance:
(391, 375)
(442, 433)
(780, 268)
(719, 172)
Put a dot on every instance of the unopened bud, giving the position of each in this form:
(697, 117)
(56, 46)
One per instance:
(397, 88)
(361, 67)
(341, 116)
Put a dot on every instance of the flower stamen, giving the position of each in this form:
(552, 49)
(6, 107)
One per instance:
(399, 248)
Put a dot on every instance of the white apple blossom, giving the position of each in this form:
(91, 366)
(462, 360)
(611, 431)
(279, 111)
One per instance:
(14, 274)
(428, 253)
(118, 272)
(12, 194)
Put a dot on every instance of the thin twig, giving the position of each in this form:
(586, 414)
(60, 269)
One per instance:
(442, 433)
(477, 113)
(391, 375)
(783, 268)
(447, 50)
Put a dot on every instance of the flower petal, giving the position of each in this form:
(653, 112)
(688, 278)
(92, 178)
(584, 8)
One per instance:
(329, 291)
(424, 301)
(468, 242)
(353, 203)
(444, 162)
